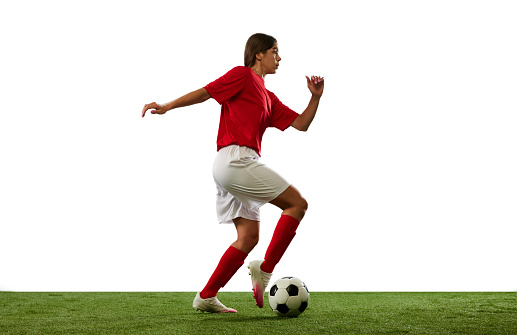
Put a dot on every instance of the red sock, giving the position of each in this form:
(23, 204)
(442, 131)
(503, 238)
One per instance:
(282, 237)
(231, 261)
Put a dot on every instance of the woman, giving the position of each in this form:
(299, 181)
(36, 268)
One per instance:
(243, 183)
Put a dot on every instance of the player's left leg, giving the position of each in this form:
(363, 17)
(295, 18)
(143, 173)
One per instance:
(231, 261)
(247, 234)
(211, 305)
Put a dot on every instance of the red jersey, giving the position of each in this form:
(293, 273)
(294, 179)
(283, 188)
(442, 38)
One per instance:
(247, 108)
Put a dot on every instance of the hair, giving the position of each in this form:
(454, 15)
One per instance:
(257, 43)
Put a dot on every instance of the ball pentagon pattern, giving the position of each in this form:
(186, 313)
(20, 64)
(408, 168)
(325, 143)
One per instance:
(292, 290)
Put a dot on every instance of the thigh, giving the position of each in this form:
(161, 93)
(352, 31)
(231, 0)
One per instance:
(250, 181)
(229, 207)
(247, 234)
(247, 227)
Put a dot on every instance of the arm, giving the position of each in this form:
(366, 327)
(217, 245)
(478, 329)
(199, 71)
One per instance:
(304, 120)
(188, 99)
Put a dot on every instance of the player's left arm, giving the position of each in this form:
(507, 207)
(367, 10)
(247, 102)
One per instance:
(304, 120)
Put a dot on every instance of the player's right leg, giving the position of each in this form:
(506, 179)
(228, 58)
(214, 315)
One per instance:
(291, 203)
(294, 207)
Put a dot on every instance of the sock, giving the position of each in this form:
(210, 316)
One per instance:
(282, 237)
(231, 261)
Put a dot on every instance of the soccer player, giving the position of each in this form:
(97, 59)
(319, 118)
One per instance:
(244, 184)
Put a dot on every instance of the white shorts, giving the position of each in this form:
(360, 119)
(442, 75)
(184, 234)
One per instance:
(243, 184)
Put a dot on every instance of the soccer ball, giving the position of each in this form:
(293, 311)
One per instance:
(288, 297)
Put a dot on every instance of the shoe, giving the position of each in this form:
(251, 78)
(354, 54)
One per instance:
(259, 281)
(211, 305)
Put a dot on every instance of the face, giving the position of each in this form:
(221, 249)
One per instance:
(271, 60)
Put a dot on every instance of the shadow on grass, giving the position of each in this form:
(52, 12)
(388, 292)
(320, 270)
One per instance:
(247, 318)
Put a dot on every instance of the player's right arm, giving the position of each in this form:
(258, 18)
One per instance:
(188, 99)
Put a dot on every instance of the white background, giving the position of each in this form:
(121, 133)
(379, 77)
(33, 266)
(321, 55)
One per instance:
(409, 167)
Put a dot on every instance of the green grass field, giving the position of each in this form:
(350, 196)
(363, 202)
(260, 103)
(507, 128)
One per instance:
(328, 313)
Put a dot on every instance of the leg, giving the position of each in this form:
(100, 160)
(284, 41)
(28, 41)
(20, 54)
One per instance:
(292, 203)
(233, 258)
(294, 207)
(247, 234)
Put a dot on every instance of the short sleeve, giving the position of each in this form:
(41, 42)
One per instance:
(229, 85)
(282, 116)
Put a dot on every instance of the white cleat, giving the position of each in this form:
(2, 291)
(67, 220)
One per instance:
(211, 305)
(259, 281)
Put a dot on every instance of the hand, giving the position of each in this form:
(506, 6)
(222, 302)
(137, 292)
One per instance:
(315, 85)
(155, 108)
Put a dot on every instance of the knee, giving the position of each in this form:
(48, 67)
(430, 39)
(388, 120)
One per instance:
(250, 240)
(303, 205)
(298, 209)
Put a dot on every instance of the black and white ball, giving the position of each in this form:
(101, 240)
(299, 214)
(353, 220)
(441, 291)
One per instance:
(288, 296)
